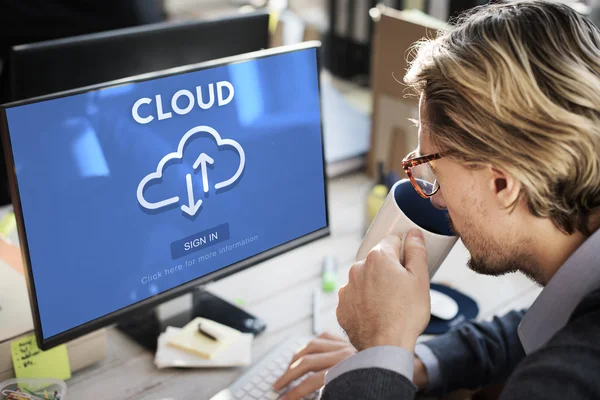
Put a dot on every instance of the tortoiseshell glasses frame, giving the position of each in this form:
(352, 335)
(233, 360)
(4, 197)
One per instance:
(410, 161)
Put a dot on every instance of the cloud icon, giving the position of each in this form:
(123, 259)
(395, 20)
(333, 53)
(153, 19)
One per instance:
(193, 207)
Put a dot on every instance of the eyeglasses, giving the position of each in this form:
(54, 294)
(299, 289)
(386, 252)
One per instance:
(421, 174)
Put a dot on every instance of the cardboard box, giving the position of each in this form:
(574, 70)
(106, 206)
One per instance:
(392, 134)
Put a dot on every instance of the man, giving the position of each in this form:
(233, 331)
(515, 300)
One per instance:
(510, 111)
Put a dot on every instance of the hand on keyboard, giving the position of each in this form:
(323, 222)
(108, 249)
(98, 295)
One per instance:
(296, 376)
(306, 371)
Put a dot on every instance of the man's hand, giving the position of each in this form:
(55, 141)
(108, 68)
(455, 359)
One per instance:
(317, 357)
(385, 303)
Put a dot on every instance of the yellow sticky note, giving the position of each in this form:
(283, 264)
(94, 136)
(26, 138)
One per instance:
(273, 21)
(8, 224)
(31, 362)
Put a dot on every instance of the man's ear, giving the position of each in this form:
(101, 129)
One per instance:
(505, 188)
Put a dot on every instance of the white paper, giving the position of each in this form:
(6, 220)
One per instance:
(237, 354)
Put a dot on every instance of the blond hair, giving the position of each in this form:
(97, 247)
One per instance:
(517, 85)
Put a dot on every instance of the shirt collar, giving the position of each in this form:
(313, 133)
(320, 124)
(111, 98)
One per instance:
(550, 312)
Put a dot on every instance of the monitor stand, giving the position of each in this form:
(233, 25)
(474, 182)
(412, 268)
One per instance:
(145, 326)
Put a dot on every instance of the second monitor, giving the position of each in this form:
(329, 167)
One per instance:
(64, 64)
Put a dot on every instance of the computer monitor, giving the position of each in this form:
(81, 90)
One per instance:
(63, 64)
(132, 192)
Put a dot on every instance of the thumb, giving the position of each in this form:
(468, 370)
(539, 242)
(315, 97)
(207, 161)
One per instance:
(415, 253)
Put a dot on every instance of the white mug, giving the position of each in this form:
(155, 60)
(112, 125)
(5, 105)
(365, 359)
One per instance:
(403, 210)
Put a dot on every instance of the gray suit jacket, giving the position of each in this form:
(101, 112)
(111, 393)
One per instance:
(478, 354)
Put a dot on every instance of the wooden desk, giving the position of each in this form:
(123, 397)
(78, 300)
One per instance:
(279, 291)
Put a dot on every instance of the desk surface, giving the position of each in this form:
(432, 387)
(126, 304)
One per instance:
(281, 295)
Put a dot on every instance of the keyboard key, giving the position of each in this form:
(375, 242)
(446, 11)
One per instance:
(272, 395)
(257, 384)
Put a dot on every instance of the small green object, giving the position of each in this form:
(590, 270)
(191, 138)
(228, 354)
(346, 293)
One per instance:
(329, 274)
(329, 282)
(239, 301)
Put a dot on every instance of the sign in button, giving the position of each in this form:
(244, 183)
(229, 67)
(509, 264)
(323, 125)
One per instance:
(199, 241)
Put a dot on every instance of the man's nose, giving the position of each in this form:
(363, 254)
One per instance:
(438, 200)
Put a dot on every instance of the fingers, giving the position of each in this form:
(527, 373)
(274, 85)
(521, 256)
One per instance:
(341, 311)
(390, 244)
(330, 336)
(311, 363)
(319, 345)
(311, 384)
(415, 254)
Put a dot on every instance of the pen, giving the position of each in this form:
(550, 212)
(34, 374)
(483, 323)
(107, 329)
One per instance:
(316, 307)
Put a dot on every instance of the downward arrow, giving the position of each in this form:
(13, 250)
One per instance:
(203, 160)
(193, 208)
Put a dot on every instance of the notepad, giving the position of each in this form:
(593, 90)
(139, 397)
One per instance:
(239, 353)
(31, 362)
(190, 340)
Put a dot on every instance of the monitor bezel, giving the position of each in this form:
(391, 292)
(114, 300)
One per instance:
(153, 301)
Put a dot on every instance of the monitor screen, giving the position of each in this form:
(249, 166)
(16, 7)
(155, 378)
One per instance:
(128, 191)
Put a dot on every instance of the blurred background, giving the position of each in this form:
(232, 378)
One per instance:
(46, 47)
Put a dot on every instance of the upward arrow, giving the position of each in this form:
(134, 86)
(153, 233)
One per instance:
(203, 160)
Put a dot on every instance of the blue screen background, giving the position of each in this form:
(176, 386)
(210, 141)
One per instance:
(79, 160)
